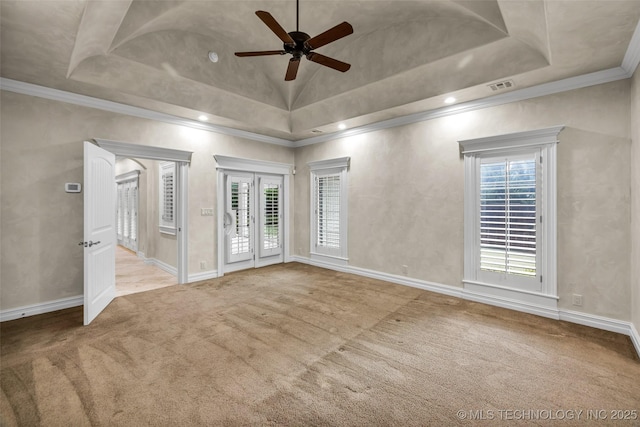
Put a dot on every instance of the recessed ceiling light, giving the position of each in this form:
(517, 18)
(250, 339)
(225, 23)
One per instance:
(450, 100)
(342, 126)
(203, 118)
(213, 57)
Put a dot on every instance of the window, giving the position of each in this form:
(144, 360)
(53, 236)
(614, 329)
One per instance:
(510, 216)
(329, 210)
(167, 198)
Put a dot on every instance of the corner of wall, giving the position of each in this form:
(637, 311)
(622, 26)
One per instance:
(635, 207)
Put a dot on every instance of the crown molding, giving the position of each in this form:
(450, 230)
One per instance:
(572, 83)
(630, 63)
(116, 107)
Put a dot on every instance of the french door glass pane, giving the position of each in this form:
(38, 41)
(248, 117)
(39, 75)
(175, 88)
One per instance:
(240, 204)
(271, 216)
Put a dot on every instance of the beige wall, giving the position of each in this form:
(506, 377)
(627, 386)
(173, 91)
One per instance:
(635, 198)
(41, 225)
(406, 191)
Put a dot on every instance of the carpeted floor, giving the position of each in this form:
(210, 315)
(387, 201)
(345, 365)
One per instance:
(298, 345)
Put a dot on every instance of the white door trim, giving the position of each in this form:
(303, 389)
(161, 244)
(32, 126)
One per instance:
(236, 164)
(182, 159)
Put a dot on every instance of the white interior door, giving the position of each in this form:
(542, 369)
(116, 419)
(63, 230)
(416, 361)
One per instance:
(99, 230)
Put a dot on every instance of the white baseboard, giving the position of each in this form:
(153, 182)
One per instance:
(393, 278)
(41, 308)
(595, 321)
(162, 265)
(592, 320)
(204, 275)
(531, 308)
(635, 338)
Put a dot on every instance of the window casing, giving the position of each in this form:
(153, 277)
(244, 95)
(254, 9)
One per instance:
(167, 198)
(329, 210)
(510, 216)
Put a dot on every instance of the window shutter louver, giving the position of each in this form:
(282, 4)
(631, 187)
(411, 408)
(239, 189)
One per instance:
(167, 198)
(271, 217)
(509, 216)
(328, 211)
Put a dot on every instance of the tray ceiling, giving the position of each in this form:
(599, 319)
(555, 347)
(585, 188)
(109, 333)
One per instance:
(406, 56)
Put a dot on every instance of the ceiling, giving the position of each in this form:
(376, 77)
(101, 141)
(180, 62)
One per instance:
(406, 56)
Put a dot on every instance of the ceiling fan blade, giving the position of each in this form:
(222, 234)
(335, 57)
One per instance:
(331, 35)
(292, 69)
(261, 53)
(328, 62)
(271, 22)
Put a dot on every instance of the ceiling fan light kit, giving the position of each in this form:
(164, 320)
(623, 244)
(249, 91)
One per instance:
(299, 44)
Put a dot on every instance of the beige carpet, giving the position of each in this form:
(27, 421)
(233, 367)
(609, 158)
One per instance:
(301, 346)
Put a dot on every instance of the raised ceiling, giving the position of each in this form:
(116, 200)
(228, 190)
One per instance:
(406, 56)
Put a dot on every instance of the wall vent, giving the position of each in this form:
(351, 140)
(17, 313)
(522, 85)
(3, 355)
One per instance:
(506, 84)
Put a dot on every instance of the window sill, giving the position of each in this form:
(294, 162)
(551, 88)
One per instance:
(168, 230)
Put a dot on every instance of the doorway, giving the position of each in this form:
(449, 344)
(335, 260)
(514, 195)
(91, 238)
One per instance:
(146, 255)
(100, 216)
(253, 218)
(253, 213)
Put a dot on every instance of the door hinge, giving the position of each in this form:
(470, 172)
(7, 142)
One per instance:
(541, 278)
(540, 219)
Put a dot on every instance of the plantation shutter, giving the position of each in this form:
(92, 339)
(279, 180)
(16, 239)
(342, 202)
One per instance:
(328, 211)
(271, 216)
(133, 206)
(120, 212)
(167, 212)
(509, 214)
(167, 198)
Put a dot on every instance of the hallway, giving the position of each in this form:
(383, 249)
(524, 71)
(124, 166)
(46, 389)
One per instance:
(133, 275)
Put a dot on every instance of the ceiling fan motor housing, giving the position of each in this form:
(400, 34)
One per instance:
(300, 47)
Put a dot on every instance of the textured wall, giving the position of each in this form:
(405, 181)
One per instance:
(406, 193)
(41, 225)
(635, 198)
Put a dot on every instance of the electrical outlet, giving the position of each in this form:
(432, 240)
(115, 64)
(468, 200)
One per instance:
(577, 300)
(405, 270)
(203, 265)
(206, 211)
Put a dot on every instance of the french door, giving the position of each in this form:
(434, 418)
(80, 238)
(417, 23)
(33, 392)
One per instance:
(253, 220)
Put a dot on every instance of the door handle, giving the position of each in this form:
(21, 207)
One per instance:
(89, 243)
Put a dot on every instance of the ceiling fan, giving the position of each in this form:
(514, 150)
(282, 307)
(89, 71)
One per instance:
(301, 44)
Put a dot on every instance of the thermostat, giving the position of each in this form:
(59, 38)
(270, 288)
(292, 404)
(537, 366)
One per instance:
(72, 187)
